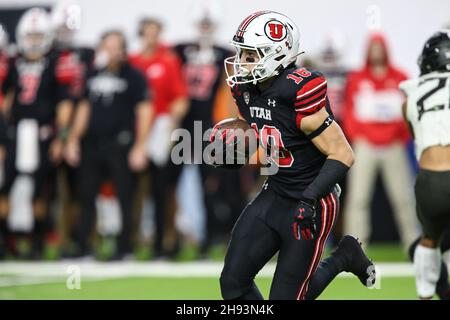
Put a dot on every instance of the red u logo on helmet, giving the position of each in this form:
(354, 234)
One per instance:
(275, 30)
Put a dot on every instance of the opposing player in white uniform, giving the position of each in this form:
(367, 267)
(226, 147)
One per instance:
(428, 112)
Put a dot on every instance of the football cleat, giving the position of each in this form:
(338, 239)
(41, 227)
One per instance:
(356, 260)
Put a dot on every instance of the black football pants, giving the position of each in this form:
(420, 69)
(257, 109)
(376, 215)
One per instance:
(265, 228)
(101, 161)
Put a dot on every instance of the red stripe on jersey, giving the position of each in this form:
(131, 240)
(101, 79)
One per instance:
(311, 87)
(307, 111)
(317, 95)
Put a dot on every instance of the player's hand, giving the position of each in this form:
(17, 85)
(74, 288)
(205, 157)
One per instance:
(225, 135)
(72, 152)
(305, 221)
(222, 137)
(56, 151)
(137, 158)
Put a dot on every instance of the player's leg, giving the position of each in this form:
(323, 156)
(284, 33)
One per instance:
(348, 257)
(44, 180)
(432, 191)
(252, 244)
(361, 182)
(396, 174)
(124, 181)
(159, 191)
(172, 241)
(90, 180)
(211, 180)
(442, 285)
(10, 174)
(299, 259)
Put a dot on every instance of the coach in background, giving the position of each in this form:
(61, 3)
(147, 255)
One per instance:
(373, 122)
(108, 136)
(162, 70)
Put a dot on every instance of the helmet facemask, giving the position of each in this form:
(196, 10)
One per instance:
(34, 44)
(263, 69)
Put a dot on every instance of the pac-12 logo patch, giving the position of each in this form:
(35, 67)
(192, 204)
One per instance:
(247, 97)
(275, 30)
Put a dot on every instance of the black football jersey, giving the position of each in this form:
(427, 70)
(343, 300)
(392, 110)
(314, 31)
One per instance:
(203, 70)
(276, 114)
(36, 89)
(72, 67)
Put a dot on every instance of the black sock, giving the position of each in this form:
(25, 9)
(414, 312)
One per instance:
(327, 270)
(3, 237)
(38, 236)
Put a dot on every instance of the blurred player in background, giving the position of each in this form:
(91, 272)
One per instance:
(373, 123)
(3, 57)
(38, 111)
(108, 137)
(4, 64)
(427, 111)
(290, 112)
(329, 62)
(73, 65)
(162, 70)
(203, 69)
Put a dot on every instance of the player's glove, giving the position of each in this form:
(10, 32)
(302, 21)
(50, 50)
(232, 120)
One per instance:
(305, 220)
(227, 139)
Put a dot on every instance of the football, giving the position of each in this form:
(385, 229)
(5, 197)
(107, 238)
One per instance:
(233, 141)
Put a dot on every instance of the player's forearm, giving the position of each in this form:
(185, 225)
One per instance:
(343, 154)
(7, 103)
(80, 121)
(178, 110)
(144, 114)
(63, 117)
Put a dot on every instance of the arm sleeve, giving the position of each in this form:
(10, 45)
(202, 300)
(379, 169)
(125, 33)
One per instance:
(331, 173)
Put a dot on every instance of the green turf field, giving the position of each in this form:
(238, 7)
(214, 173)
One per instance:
(195, 288)
(185, 279)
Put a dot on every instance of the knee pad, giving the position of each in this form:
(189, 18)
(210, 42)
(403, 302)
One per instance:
(427, 266)
(232, 288)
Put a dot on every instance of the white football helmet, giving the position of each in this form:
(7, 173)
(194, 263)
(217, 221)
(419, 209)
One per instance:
(34, 33)
(66, 20)
(274, 37)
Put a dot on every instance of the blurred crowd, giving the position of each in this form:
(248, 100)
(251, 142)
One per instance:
(85, 138)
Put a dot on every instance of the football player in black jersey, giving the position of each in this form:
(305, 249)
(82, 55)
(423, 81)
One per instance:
(37, 111)
(297, 207)
(72, 67)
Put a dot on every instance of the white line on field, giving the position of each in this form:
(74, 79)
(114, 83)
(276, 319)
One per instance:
(11, 272)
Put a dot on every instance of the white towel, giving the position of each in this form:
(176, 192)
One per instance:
(27, 152)
(159, 143)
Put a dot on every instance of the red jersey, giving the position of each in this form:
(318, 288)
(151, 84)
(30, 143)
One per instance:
(373, 105)
(164, 77)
